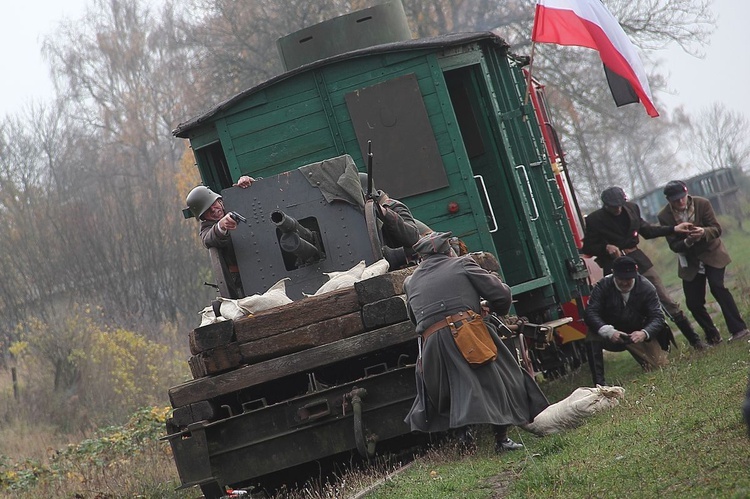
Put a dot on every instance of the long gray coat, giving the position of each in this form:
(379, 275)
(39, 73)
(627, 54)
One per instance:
(450, 393)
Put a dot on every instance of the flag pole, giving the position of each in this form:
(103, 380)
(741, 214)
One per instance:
(528, 78)
(531, 58)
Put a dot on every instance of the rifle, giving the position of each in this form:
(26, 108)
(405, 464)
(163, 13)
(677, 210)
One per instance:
(369, 169)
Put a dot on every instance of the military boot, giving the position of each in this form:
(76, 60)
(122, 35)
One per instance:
(689, 333)
(595, 356)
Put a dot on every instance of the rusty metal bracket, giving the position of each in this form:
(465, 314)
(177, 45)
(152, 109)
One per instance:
(365, 446)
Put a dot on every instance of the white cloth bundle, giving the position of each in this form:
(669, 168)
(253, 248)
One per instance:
(275, 296)
(347, 278)
(234, 309)
(573, 410)
(338, 280)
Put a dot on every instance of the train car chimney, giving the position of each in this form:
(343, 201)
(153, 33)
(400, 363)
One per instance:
(384, 23)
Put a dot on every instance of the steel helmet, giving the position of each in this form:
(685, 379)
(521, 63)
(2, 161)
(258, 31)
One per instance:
(200, 199)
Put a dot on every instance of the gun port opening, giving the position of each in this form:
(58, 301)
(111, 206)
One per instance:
(299, 240)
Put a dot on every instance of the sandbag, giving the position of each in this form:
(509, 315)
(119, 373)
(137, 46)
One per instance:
(378, 268)
(275, 296)
(208, 317)
(339, 280)
(573, 410)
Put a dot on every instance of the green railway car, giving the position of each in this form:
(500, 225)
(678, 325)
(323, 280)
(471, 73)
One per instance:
(453, 136)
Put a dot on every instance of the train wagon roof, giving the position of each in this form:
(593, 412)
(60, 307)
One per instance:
(422, 43)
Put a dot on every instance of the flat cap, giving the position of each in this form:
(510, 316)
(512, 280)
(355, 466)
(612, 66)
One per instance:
(675, 189)
(624, 267)
(613, 196)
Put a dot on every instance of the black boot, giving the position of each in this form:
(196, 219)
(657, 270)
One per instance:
(689, 333)
(502, 442)
(595, 355)
(465, 439)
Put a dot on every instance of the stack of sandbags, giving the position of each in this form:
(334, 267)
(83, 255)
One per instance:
(360, 272)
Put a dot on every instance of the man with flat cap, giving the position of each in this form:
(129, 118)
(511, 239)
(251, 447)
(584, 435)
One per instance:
(623, 313)
(702, 258)
(614, 230)
(442, 293)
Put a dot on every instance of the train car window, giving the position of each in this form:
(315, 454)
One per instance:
(213, 166)
(392, 114)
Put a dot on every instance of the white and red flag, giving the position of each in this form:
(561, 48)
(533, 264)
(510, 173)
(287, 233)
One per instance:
(588, 23)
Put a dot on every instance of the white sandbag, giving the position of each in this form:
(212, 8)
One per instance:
(208, 317)
(339, 280)
(355, 271)
(274, 297)
(378, 268)
(230, 309)
(573, 410)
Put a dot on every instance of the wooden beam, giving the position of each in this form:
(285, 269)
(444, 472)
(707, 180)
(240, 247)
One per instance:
(382, 286)
(302, 338)
(384, 312)
(256, 374)
(211, 336)
(296, 314)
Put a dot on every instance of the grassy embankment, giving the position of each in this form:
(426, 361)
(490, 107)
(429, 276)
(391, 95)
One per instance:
(678, 432)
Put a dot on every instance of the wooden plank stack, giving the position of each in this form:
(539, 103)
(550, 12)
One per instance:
(305, 334)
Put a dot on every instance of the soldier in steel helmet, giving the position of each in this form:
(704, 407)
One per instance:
(208, 207)
(400, 228)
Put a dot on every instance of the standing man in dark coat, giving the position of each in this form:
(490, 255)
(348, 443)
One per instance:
(701, 257)
(450, 392)
(623, 313)
(614, 230)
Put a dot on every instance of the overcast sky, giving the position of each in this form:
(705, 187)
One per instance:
(722, 76)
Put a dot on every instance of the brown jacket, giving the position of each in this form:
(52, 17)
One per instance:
(710, 249)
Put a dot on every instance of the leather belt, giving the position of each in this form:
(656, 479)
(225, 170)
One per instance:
(628, 251)
(460, 316)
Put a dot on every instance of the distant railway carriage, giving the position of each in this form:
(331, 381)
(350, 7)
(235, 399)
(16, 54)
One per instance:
(455, 138)
(719, 186)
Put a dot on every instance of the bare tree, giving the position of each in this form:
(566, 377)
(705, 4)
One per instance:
(720, 139)
(122, 65)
